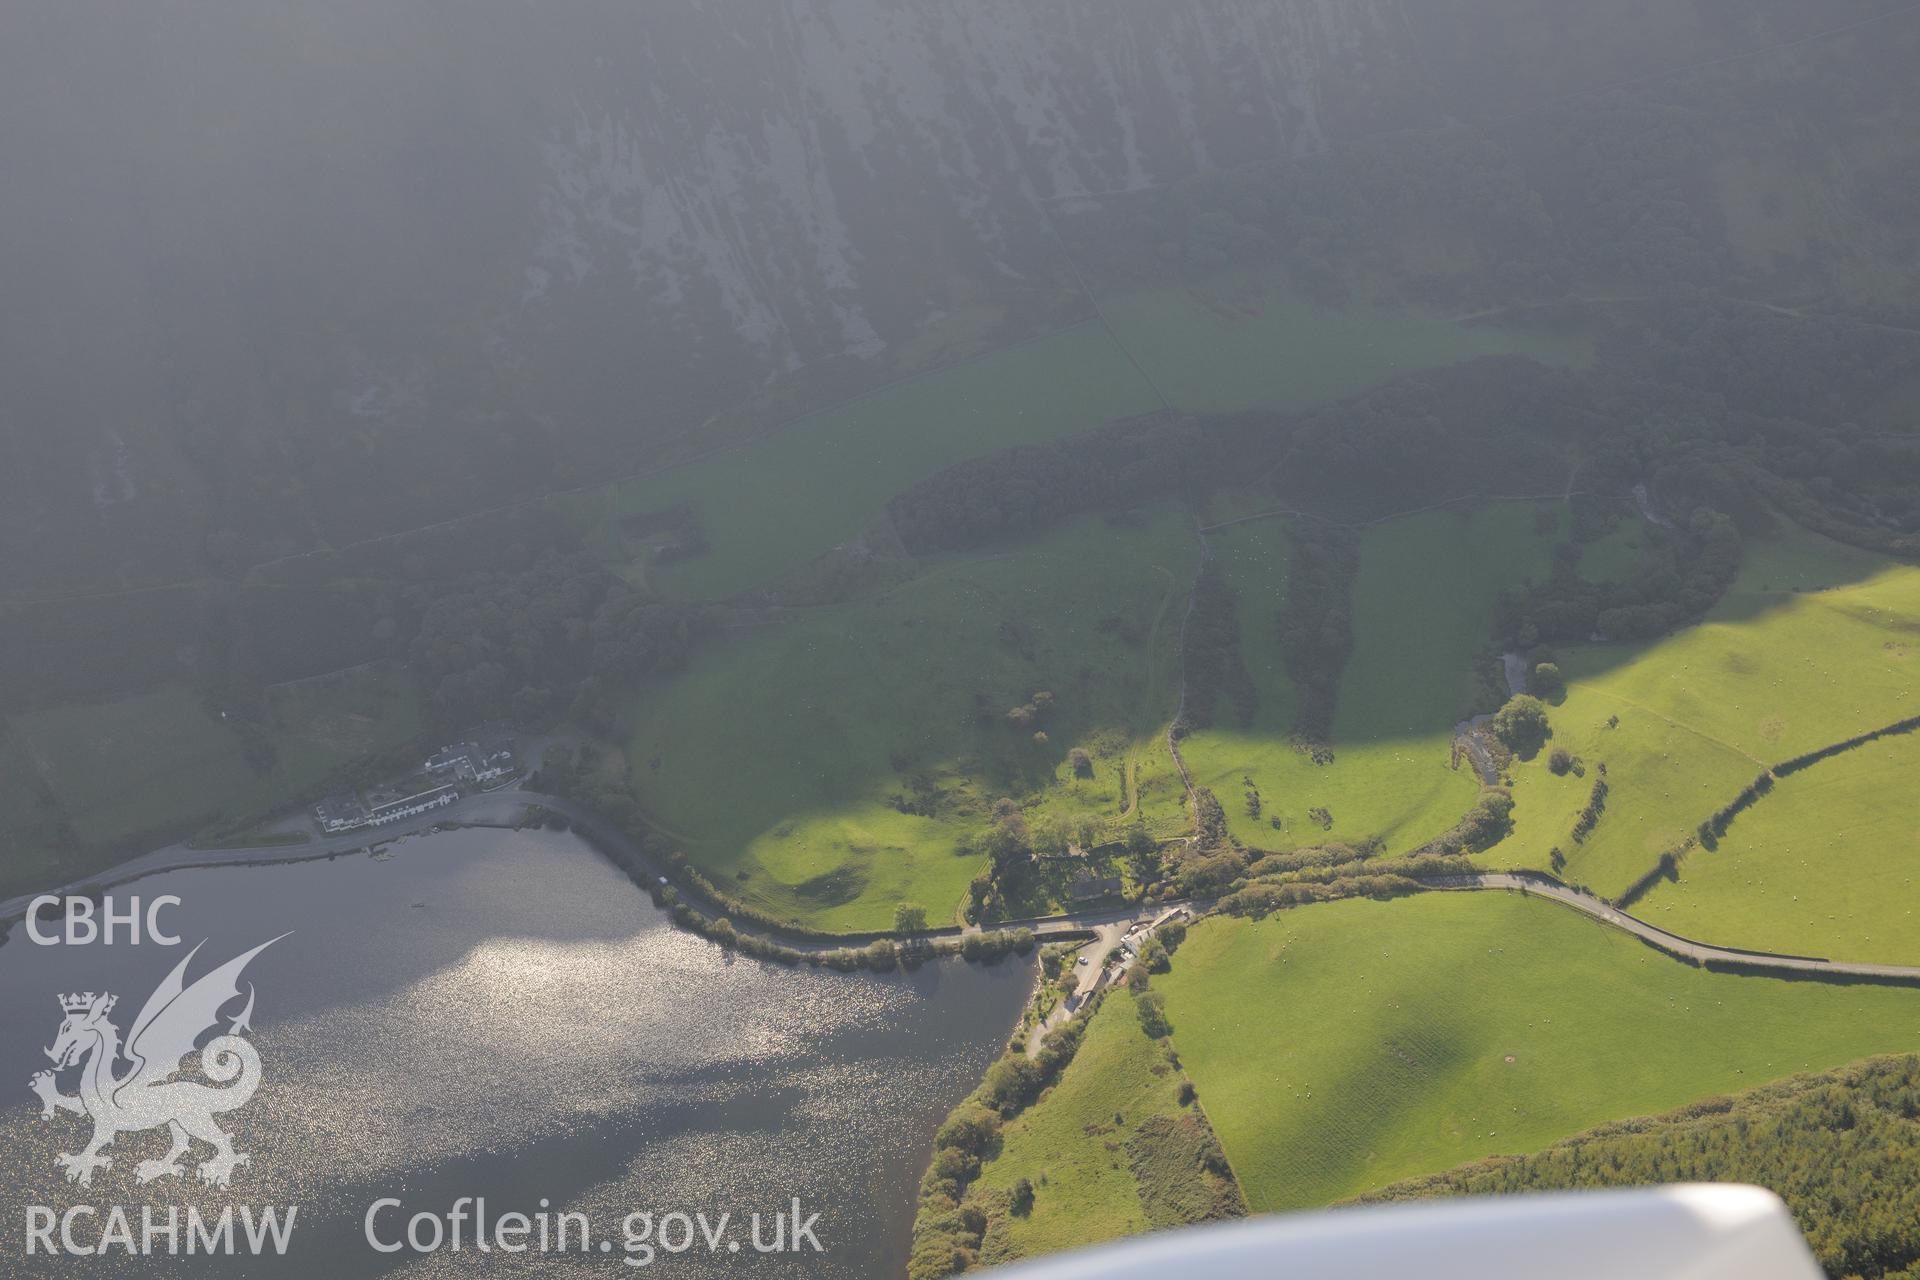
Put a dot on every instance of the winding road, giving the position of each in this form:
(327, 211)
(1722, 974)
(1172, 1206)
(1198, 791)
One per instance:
(504, 806)
(1673, 944)
(482, 807)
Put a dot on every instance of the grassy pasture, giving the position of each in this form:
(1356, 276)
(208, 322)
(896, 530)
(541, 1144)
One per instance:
(159, 763)
(1422, 609)
(1663, 777)
(1898, 409)
(1814, 643)
(776, 502)
(142, 764)
(1804, 216)
(1343, 1047)
(772, 504)
(1073, 1144)
(1616, 557)
(1803, 200)
(1825, 865)
(34, 844)
(778, 758)
(1234, 345)
(327, 722)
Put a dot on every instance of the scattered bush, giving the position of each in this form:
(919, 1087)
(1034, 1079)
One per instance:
(1548, 683)
(1152, 1008)
(1020, 1202)
(1596, 805)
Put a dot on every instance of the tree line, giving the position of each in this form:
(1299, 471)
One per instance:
(1210, 654)
(1842, 1148)
(1316, 625)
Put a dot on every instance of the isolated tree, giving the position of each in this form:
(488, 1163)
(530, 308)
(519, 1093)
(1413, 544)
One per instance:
(1080, 762)
(1522, 725)
(1152, 1009)
(1548, 682)
(909, 917)
(1051, 835)
(1008, 844)
(1143, 854)
(1021, 1202)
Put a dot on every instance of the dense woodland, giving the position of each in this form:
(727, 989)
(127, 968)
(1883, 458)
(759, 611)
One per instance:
(1841, 1148)
(556, 638)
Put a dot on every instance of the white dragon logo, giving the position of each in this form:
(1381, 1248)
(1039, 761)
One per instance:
(147, 1096)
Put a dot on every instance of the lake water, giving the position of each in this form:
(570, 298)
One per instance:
(502, 1014)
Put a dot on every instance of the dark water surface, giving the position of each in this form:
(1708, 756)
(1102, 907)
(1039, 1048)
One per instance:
(502, 1014)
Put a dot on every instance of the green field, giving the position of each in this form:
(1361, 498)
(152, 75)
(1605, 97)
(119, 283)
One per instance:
(143, 764)
(36, 844)
(1615, 557)
(1899, 409)
(159, 764)
(1343, 1047)
(1841, 1147)
(1812, 229)
(1422, 608)
(1238, 344)
(1075, 1144)
(1825, 865)
(778, 759)
(1814, 643)
(773, 504)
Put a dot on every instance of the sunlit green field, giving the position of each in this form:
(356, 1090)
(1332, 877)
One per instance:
(1073, 1144)
(1423, 607)
(780, 758)
(1827, 865)
(1339, 1048)
(1815, 643)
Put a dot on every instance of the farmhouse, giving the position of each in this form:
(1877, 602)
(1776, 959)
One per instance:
(486, 754)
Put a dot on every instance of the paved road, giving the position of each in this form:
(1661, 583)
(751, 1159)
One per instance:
(505, 804)
(1090, 973)
(1672, 943)
(503, 807)
(1097, 972)
(487, 806)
